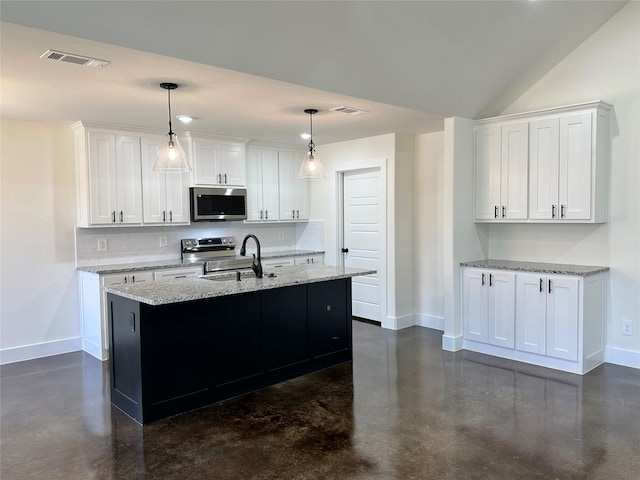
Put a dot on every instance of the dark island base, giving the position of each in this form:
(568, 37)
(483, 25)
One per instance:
(169, 359)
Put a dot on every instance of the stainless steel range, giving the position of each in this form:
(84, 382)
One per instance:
(217, 253)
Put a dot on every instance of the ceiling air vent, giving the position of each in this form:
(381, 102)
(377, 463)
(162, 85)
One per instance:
(73, 58)
(348, 110)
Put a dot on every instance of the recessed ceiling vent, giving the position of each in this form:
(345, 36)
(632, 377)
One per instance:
(348, 110)
(73, 58)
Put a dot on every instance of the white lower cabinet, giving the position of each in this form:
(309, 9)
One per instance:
(489, 305)
(308, 260)
(555, 321)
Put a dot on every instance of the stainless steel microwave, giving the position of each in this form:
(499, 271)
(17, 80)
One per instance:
(210, 204)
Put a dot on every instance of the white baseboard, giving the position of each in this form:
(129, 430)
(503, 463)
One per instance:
(618, 356)
(39, 350)
(398, 323)
(451, 344)
(429, 321)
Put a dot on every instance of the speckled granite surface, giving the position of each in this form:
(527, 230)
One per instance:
(557, 268)
(139, 266)
(197, 288)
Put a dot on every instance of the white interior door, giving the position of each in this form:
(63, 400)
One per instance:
(363, 231)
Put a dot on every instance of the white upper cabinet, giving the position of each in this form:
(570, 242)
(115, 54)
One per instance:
(262, 184)
(217, 162)
(545, 166)
(294, 192)
(501, 172)
(108, 177)
(165, 195)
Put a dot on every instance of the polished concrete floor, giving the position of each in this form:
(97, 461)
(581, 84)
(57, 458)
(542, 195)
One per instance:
(403, 410)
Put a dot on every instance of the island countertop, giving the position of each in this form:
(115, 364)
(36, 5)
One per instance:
(178, 290)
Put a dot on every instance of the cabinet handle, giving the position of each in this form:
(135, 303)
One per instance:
(483, 282)
(266, 214)
(553, 211)
(311, 260)
(121, 217)
(503, 211)
(260, 214)
(293, 214)
(549, 285)
(171, 215)
(541, 285)
(164, 215)
(491, 279)
(133, 279)
(180, 276)
(297, 213)
(561, 211)
(125, 279)
(113, 217)
(225, 178)
(495, 211)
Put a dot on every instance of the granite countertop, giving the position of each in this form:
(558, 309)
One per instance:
(177, 263)
(178, 290)
(557, 268)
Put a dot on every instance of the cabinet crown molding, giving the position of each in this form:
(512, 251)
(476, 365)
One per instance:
(595, 104)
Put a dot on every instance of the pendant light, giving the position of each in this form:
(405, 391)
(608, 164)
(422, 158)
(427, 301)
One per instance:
(311, 166)
(171, 157)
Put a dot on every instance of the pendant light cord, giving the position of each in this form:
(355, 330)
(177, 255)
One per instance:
(169, 101)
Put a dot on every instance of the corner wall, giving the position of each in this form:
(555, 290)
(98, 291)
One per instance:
(605, 67)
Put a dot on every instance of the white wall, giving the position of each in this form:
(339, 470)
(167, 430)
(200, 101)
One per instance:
(39, 295)
(428, 210)
(605, 67)
(395, 154)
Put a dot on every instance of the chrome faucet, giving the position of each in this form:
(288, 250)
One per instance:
(256, 266)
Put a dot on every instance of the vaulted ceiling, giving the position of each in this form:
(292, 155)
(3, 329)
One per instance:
(249, 68)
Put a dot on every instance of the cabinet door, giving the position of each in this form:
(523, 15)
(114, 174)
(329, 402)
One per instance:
(232, 164)
(102, 178)
(255, 212)
(328, 318)
(531, 313)
(153, 183)
(501, 316)
(475, 307)
(237, 338)
(129, 180)
(287, 181)
(487, 172)
(206, 162)
(177, 273)
(285, 326)
(575, 170)
(177, 197)
(562, 317)
(513, 172)
(269, 171)
(543, 169)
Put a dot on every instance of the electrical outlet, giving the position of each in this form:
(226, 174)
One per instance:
(163, 241)
(627, 327)
(102, 244)
(280, 235)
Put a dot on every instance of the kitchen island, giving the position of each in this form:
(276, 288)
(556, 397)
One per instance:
(184, 343)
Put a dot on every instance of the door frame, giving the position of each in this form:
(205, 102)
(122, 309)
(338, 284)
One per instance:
(337, 174)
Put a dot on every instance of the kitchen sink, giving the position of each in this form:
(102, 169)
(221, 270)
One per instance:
(227, 277)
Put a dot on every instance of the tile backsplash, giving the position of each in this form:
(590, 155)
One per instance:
(142, 244)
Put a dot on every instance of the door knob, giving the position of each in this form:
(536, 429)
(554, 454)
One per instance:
(345, 250)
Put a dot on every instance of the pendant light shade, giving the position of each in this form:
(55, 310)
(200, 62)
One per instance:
(171, 157)
(311, 166)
